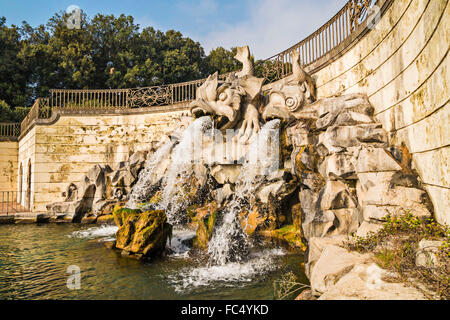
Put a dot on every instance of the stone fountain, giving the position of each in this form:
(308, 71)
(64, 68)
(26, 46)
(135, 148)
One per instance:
(277, 166)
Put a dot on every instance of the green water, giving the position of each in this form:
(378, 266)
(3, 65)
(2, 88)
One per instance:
(34, 261)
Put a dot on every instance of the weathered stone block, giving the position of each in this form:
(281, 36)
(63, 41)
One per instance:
(346, 221)
(372, 159)
(335, 195)
(350, 118)
(337, 138)
(338, 166)
(315, 247)
(377, 213)
(374, 188)
(321, 224)
(367, 227)
(365, 282)
(334, 262)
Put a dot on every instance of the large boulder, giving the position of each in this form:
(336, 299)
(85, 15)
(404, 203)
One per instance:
(337, 138)
(390, 193)
(120, 214)
(333, 263)
(372, 159)
(143, 235)
(365, 282)
(316, 245)
(335, 195)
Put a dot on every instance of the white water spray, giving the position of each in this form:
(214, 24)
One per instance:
(148, 176)
(229, 242)
(186, 154)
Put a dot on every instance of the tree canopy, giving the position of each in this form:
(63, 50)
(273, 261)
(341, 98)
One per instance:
(105, 52)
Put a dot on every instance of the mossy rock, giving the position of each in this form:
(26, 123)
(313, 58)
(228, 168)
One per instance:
(120, 214)
(144, 234)
(105, 219)
(288, 235)
(151, 233)
(126, 232)
(205, 219)
(250, 221)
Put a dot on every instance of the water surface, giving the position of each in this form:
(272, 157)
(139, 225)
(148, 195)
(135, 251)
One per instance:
(34, 261)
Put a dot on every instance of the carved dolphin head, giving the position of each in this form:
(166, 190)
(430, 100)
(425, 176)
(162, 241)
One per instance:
(222, 102)
(288, 98)
(285, 102)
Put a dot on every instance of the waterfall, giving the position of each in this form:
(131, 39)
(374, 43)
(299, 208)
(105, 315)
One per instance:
(173, 163)
(229, 243)
(186, 154)
(146, 179)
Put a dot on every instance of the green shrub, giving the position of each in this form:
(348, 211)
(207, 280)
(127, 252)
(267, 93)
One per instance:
(395, 247)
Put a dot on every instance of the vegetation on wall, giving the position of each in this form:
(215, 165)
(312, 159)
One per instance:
(396, 246)
(106, 52)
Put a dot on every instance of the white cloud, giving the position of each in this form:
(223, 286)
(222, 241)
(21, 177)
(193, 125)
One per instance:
(272, 26)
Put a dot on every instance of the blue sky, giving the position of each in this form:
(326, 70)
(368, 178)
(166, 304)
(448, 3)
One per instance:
(267, 26)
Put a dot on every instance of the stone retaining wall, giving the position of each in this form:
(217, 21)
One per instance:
(8, 165)
(402, 65)
(64, 149)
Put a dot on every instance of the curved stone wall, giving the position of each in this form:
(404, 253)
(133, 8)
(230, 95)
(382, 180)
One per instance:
(402, 65)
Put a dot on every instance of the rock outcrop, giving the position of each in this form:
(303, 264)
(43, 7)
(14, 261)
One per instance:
(337, 176)
(349, 174)
(101, 188)
(141, 234)
(350, 179)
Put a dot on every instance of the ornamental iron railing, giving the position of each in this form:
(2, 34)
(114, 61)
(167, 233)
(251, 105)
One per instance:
(10, 202)
(320, 42)
(9, 130)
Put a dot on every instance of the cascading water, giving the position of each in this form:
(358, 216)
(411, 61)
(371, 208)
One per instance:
(230, 259)
(173, 164)
(185, 155)
(146, 179)
(229, 242)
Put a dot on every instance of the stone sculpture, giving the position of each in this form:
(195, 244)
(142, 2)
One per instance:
(293, 93)
(234, 102)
